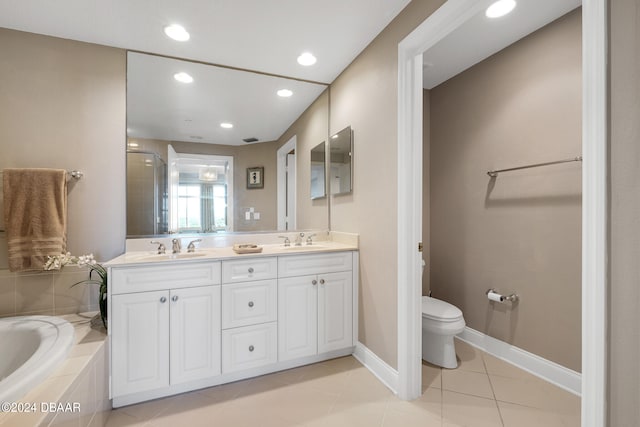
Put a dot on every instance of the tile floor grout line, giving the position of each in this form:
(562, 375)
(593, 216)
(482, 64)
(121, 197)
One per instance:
(441, 401)
(495, 399)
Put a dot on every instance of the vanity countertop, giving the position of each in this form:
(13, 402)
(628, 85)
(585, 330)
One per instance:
(215, 254)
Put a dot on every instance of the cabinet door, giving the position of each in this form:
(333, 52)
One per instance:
(297, 317)
(139, 342)
(195, 333)
(335, 311)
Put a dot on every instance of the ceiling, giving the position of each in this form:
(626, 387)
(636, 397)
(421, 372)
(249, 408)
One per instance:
(258, 35)
(266, 36)
(480, 37)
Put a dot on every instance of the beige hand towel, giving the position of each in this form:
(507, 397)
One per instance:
(35, 216)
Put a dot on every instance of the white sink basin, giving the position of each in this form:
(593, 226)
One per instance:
(168, 257)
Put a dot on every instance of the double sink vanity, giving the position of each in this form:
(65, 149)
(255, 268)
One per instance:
(184, 321)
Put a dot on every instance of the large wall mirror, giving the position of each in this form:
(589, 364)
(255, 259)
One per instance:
(196, 133)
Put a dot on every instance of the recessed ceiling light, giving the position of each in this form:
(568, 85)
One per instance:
(306, 59)
(226, 125)
(285, 93)
(176, 32)
(500, 8)
(183, 77)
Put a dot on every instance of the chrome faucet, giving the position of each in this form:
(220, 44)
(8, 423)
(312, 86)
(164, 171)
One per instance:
(309, 239)
(192, 247)
(287, 242)
(177, 246)
(161, 247)
(299, 239)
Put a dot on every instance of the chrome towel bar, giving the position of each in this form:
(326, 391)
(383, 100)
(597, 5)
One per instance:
(494, 173)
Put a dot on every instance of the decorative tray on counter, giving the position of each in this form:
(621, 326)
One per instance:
(247, 248)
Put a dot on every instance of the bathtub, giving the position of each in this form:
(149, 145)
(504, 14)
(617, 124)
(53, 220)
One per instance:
(31, 348)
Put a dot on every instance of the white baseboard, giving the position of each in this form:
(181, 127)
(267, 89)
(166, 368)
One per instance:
(378, 367)
(547, 370)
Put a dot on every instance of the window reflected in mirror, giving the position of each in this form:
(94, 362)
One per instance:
(200, 193)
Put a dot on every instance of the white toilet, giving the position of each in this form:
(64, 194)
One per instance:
(440, 322)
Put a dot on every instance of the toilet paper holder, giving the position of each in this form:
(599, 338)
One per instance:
(492, 295)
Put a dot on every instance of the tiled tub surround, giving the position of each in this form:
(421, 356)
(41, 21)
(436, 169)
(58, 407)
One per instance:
(81, 379)
(48, 293)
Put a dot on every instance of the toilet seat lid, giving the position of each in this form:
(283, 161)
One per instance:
(439, 310)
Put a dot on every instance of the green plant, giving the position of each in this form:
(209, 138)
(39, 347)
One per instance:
(58, 261)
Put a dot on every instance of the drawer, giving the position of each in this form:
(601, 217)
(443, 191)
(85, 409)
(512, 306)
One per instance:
(249, 303)
(158, 277)
(249, 347)
(249, 269)
(300, 265)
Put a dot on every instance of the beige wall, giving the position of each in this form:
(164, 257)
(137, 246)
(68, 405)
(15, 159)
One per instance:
(520, 232)
(624, 211)
(310, 129)
(365, 97)
(63, 106)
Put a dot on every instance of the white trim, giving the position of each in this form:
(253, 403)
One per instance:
(444, 20)
(385, 373)
(281, 162)
(594, 202)
(355, 268)
(594, 212)
(546, 369)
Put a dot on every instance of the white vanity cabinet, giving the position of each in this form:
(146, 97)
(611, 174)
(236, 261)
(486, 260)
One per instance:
(177, 326)
(165, 326)
(315, 309)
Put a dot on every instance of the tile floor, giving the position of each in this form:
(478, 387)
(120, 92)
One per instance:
(483, 391)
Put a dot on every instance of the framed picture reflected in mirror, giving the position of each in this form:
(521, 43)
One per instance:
(255, 177)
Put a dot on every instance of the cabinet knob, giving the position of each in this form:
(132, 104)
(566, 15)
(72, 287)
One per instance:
(314, 282)
(250, 269)
(174, 298)
(250, 303)
(163, 300)
(322, 281)
(251, 348)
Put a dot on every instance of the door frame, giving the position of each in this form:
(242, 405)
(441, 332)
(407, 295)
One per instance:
(594, 198)
(281, 172)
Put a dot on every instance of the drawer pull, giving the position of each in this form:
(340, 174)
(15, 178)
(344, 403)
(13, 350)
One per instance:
(314, 282)
(251, 348)
(174, 298)
(250, 269)
(322, 281)
(163, 300)
(250, 303)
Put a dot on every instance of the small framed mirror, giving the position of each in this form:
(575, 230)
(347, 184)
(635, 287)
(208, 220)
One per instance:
(318, 175)
(340, 162)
